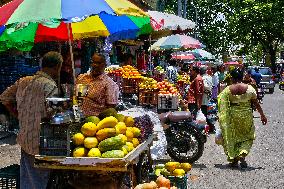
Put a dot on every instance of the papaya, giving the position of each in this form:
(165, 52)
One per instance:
(113, 154)
(89, 129)
(113, 143)
(120, 117)
(108, 122)
(107, 113)
(93, 119)
(120, 128)
(105, 133)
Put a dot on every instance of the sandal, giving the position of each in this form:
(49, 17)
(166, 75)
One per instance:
(243, 163)
(234, 163)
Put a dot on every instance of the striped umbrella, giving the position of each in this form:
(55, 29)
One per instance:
(176, 42)
(25, 22)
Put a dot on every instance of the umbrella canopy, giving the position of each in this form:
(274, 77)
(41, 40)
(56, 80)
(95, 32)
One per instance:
(183, 56)
(162, 21)
(22, 35)
(19, 11)
(203, 54)
(176, 42)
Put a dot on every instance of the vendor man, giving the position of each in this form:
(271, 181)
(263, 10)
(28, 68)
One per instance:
(26, 100)
(103, 92)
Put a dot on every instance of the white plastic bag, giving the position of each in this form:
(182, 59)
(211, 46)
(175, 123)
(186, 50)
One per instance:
(200, 118)
(218, 137)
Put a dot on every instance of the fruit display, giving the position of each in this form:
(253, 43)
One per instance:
(113, 71)
(130, 72)
(145, 125)
(159, 69)
(114, 136)
(183, 78)
(166, 87)
(147, 83)
(161, 183)
(172, 169)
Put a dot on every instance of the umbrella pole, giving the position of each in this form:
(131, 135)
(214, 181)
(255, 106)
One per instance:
(71, 52)
(150, 40)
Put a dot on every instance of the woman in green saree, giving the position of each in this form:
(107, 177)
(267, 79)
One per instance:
(236, 119)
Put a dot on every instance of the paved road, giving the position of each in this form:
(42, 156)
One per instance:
(266, 169)
(266, 160)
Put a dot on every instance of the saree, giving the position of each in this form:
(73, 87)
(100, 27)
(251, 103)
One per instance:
(236, 122)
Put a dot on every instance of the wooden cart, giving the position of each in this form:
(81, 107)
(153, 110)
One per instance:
(137, 163)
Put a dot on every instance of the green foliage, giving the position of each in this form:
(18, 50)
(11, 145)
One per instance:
(255, 25)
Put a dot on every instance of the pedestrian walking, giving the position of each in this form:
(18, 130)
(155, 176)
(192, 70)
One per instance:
(195, 92)
(208, 85)
(236, 118)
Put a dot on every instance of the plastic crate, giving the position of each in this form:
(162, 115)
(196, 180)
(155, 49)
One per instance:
(167, 102)
(10, 177)
(55, 139)
(130, 86)
(179, 182)
(147, 97)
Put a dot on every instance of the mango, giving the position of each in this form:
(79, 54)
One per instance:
(91, 142)
(94, 152)
(108, 122)
(78, 139)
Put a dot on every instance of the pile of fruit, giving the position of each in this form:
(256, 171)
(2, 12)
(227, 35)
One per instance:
(130, 72)
(184, 78)
(172, 169)
(166, 87)
(112, 136)
(159, 69)
(148, 83)
(113, 71)
(161, 183)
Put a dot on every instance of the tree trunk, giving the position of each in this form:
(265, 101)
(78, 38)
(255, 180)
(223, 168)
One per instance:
(180, 8)
(185, 9)
(272, 53)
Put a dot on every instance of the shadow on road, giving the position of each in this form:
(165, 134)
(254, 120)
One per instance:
(199, 166)
(7, 138)
(226, 166)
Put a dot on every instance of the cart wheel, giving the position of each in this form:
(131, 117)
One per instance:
(144, 167)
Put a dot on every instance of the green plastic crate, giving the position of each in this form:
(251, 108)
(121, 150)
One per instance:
(179, 182)
(10, 177)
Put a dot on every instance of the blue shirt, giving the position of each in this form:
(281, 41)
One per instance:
(257, 77)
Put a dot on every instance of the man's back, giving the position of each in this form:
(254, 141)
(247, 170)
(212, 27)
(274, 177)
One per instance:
(257, 77)
(29, 93)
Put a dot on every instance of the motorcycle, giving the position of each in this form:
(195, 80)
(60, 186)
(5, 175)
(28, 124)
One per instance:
(185, 139)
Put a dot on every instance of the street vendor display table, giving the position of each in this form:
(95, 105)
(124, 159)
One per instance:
(140, 157)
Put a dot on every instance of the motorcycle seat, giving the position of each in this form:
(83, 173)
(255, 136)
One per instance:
(178, 116)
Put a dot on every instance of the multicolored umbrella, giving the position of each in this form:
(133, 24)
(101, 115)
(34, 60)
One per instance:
(23, 31)
(19, 11)
(176, 42)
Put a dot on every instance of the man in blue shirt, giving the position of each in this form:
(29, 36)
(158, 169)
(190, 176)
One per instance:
(257, 76)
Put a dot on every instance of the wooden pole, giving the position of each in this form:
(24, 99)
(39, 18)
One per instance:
(71, 52)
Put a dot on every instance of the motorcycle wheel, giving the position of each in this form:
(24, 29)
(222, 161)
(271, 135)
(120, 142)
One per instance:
(187, 146)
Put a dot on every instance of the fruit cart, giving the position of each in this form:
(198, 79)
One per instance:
(137, 163)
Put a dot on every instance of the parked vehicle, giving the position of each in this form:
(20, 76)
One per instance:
(185, 139)
(268, 78)
(281, 83)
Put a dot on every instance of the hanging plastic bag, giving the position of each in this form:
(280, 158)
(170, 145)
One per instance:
(218, 137)
(200, 118)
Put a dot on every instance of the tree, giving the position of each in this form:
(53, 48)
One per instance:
(258, 22)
